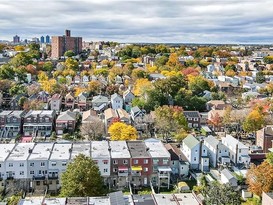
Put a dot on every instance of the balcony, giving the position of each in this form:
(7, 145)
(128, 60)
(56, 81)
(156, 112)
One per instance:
(10, 177)
(53, 177)
(39, 177)
(136, 173)
(123, 173)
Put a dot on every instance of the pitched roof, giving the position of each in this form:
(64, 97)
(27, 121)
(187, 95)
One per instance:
(227, 174)
(190, 141)
(67, 115)
(122, 113)
(192, 114)
(99, 98)
(212, 141)
(88, 115)
(56, 96)
(115, 95)
(110, 113)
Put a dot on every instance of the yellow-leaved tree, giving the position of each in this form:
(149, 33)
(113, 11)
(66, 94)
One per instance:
(122, 131)
(141, 85)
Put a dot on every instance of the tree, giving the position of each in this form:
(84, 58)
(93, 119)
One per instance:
(69, 53)
(48, 66)
(82, 178)
(19, 48)
(173, 62)
(121, 131)
(141, 85)
(268, 59)
(198, 85)
(93, 129)
(94, 87)
(216, 121)
(161, 61)
(260, 77)
(260, 178)
(71, 64)
(21, 59)
(254, 120)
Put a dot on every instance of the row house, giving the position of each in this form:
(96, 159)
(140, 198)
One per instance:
(14, 103)
(120, 163)
(11, 123)
(81, 101)
(193, 119)
(238, 152)
(56, 102)
(218, 153)
(69, 101)
(39, 122)
(128, 96)
(196, 153)
(99, 103)
(141, 163)
(123, 116)
(66, 122)
(161, 159)
(109, 115)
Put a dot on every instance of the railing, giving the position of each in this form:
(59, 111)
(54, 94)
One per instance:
(122, 174)
(39, 177)
(136, 174)
(53, 177)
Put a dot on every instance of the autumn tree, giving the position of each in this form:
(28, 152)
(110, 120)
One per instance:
(92, 129)
(198, 85)
(94, 87)
(82, 178)
(254, 121)
(141, 85)
(216, 120)
(121, 131)
(71, 63)
(260, 178)
(173, 62)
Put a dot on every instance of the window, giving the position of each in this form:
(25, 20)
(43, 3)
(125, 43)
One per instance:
(31, 172)
(50, 181)
(31, 164)
(0, 165)
(21, 172)
(42, 164)
(204, 150)
(53, 164)
(125, 161)
(105, 162)
(115, 161)
(146, 161)
(240, 150)
(196, 151)
(115, 169)
(220, 151)
(63, 164)
(194, 159)
(105, 170)
(165, 161)
(146, 169)
(38, 183)
(240, 158)
(96, 161)
(10, 165)
(135, 161)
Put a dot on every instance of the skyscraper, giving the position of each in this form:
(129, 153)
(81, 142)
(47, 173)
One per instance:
(42, 39)
(47, 39)
(61, 44)
(16, 39)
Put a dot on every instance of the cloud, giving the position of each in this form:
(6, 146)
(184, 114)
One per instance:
(180, 21)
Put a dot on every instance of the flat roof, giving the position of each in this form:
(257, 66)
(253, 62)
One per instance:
(81, 148)
(5, 112)
(157, 149)
(41, 151)
(61, 151)
(55, 201)
(31, 201)
(183, 198)
(138, 149)
(119, 149)
(5, 150)
(20, 152)
(100, 149)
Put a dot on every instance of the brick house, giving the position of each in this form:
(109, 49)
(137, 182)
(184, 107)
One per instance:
(66, 121)
(264, 138)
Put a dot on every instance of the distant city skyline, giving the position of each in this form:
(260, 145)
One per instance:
(155, 21)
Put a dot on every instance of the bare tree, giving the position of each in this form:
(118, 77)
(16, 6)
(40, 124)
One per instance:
(92, 129)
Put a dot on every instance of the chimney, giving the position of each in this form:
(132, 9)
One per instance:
(67, 33)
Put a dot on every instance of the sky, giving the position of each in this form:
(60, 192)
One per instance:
(150, 21)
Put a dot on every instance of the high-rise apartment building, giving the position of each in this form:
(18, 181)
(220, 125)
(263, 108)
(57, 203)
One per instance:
(42, 39)
(16, 39)
(61, 44)
(47, 39)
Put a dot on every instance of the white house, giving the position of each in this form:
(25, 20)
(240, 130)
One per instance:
(101, 155)
(16, 163)
(5, 150)
(217, 152)
(116, 101)
(228, 178)
(191, 149)
(238, 152)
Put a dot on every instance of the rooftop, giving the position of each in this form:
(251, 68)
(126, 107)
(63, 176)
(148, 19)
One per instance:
(137, 149)
(81, 148)
(119, 149)
(20, 152)
(109, 113)
(100, 149)
(157, 149)
(61, 151)
(170, 199)
(5, 150)
(190, 141)
(41, 151)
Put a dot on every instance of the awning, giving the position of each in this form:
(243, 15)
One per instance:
(123, 168)
(136, 168)
(164, 169)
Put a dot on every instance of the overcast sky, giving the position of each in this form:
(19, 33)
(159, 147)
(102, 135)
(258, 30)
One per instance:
(173, 21)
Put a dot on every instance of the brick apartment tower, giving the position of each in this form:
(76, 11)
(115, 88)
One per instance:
(61, 44)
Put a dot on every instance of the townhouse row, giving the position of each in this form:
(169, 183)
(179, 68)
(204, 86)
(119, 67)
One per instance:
(40, 165)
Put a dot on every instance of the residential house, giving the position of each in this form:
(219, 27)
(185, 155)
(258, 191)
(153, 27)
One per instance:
(123, 116)
(57, 164)
(116, 101)
(228, 178)
(238, 152)
(217, 152)
(89, 115)
(39, 123)
(77, 79)
(136, 113)
(37, 165)
(128, 96)
(82, 101)
(99, 103)
(141, 163)
(14, 103)
(41, 97)
(109, 116)
(56, 102)
(101, 155)
(69, 101)
(85, 79)
(216, 105)
(179, 164)
(11, 123)
(161, 159)
(120, 163)
(66, 122)
(264, 138)
(5, 150)
(193, 119)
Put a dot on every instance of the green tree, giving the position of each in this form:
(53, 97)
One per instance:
(82, 178)
(72, 64)
(21, 59)
(161, 61)
(48, 66)
(260, 77)
(69, 53)
(198, 85)
(268, 59)
(254, 121)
